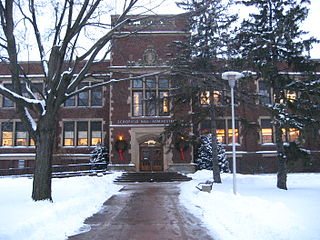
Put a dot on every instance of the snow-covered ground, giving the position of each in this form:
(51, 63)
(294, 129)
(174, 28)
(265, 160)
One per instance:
(74, 199)
(259, 211)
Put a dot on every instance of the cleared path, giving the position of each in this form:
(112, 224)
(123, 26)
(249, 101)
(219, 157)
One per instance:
(144, 211)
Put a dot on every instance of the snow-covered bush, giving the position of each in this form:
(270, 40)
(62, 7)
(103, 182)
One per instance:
(99, 155)
(204, 157)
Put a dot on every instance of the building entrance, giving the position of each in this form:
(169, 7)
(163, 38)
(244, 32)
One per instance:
(151, 156)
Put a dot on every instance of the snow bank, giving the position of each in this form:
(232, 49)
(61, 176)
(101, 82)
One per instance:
(259, 210)
(74, 198)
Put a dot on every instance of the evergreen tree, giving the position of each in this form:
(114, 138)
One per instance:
(194, 70)
(269, 42)
(204, 158)
(99, 155)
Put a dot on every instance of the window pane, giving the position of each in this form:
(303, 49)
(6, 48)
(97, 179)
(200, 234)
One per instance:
(264, 92)
(137, 103)
(293, 134)
(151, 83)
(137, 83)
(266, 131)
(236, 131)
(68, 135)
(82, 133)
(96, 97)
(217, 97)
(70, 102)
(83, 97)
(151, 103)
(21, 135)
(164, 103)
(37, 89)
(96, 133)
(221, 131)
(163, 83)
(205, 98)
(7, 102)
(7, 134)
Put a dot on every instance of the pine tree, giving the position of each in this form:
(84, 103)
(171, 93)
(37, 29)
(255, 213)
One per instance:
(204, 158)
(193, 68)
(269, 42)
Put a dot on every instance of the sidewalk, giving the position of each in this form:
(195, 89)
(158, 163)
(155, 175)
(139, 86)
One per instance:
(144, 211)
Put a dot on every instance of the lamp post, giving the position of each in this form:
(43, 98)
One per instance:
(232, 77)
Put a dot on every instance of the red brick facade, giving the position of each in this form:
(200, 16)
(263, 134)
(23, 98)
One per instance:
(131, 132)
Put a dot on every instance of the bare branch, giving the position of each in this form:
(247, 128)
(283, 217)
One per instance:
(86, 88)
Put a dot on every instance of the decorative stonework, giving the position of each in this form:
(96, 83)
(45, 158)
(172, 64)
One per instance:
(149, 58)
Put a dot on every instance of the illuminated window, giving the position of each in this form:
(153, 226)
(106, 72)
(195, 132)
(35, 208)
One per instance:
(21, 135)
(290, 96)
(205, 97)
(96, 133)
(290, 134)
(7, 134)
(150, 97)
(82, 129)
(266, 131)
(164, 104)
(137, 103)
(236, 131)
(223, 130)
(15, 134)
(68, 134)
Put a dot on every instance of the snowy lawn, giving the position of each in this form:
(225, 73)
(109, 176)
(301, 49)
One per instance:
(74, 199)
(259, 211)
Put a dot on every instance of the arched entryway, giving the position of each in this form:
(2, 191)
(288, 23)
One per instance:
(151, 156)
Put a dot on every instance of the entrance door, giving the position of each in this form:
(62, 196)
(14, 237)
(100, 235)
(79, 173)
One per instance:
(151, 156)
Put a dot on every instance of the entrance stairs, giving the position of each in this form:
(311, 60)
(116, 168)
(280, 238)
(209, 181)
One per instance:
(151, 177)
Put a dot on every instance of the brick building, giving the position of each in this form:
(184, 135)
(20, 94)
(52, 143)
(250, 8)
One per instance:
(129, 116)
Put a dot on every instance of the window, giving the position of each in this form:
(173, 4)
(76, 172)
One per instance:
(223, 130)
(21, 138)
(266, 131)
(205, 97)
(289, 96)
(7, 103)
(68, 133)
(7, 134)
(91, 97)
(82, 133)
(290, 134)
(96, 133)
(15, 134)
(88, 133)
(36, 88)
(150, 97)
(264, 92)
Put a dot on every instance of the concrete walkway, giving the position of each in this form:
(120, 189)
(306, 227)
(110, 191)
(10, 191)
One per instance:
(144, 211)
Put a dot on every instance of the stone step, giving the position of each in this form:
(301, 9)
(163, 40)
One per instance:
(152, 177)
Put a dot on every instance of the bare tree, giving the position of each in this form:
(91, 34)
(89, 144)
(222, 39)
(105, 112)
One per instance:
(64, 68)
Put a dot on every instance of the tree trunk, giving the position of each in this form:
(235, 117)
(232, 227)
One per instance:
(43, 162)
(282, 160)
(215, 160)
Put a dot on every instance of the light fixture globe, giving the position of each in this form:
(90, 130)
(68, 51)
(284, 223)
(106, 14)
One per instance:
(232, 77)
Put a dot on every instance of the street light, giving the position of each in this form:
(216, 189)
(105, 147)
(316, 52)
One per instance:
(232, 77)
